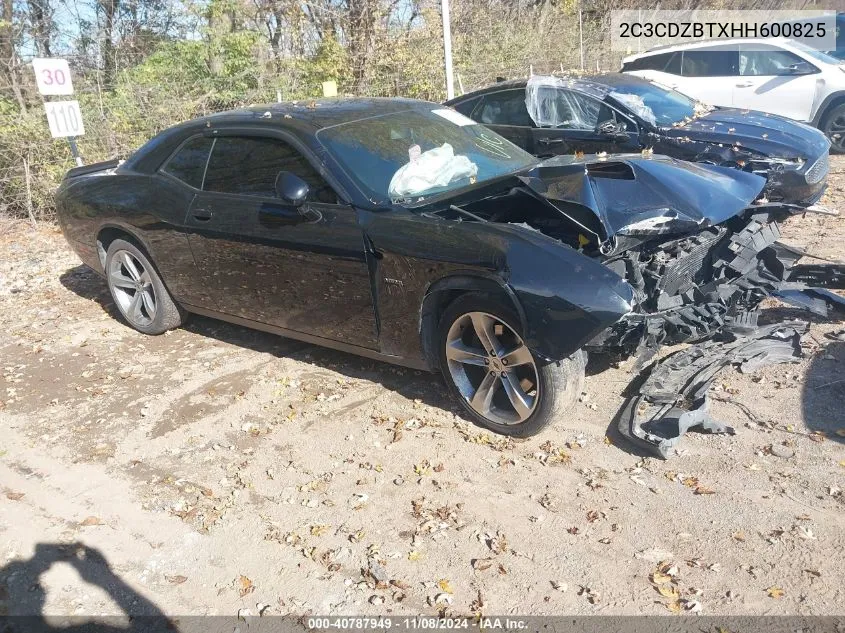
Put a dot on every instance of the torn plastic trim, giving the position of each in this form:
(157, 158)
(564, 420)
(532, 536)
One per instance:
(673, 398)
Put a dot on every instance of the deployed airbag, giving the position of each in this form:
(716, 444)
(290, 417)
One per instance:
(434, 168)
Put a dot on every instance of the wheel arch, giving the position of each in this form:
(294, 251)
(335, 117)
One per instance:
(444, 291)
(830, 101)
(110, 232)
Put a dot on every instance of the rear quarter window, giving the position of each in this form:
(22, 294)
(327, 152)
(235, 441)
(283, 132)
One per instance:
(188, 163)
(466, 107)
(664, 62)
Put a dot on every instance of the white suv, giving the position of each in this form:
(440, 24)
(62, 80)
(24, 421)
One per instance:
(778, 76)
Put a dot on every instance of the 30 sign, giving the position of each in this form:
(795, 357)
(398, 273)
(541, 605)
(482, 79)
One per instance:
(64, 118)
(52, 76)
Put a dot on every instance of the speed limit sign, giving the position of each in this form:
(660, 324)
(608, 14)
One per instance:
(64, 118)
(52, 76)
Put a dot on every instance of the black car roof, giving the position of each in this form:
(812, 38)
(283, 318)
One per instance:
(303, 119)
(316, 114)
(598, 86)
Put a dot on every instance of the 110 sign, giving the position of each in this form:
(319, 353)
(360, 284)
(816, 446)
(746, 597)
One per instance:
(64, 118)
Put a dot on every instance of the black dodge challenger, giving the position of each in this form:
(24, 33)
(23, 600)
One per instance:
(549, 116)
(404, 231)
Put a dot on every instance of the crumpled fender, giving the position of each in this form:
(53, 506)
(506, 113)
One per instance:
(566, 297)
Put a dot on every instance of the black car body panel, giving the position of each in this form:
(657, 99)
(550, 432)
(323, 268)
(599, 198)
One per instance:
(791, 155)
(588, 251)
(351, 275)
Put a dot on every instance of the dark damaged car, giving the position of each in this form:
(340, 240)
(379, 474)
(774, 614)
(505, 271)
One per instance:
(403, 231)
(614, 113)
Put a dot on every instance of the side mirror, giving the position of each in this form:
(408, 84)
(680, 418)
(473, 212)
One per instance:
(291, 188)
(800, 68)
(612, 128)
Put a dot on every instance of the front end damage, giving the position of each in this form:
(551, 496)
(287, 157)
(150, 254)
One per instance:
(701, 250)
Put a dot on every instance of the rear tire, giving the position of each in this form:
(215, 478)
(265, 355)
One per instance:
(138, 291)
(507, 389)
(833, 127)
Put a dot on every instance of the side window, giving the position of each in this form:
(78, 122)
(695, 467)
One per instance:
(505, 108)
(576, 111)
(466, 107)
(249, 165)
(710, 63)
(188, 164)
(773, 61)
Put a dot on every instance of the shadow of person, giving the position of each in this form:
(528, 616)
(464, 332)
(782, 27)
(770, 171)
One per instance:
(22, 590)
(823, 391)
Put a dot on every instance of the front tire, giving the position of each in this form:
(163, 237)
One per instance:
(500, 383)
(833, 127)
(138, 291)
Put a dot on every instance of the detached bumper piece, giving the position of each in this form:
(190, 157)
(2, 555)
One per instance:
(673, 398)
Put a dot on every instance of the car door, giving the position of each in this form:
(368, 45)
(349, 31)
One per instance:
(775, 80)
(582, 124)
(505, 113)
(301, 269)
(709, 74)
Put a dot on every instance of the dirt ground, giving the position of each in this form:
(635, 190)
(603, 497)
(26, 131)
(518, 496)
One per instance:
(216, 469)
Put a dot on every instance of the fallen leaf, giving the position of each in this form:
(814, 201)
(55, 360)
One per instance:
(444, 584)
(15, 496)
(414, 555)
(704, 490)
(498, 544)
(478, 604)
(739, 536)
(482, 564)
(246, 585)
(668, 591)
(319, 529)
(775, 592)
(88, 521)
(176, 580)
(674, 606)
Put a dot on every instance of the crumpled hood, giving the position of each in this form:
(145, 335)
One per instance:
(630, 194)
(767, 134)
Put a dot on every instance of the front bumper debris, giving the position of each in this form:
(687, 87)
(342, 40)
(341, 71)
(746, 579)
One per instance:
(673, 398)
(706, 289)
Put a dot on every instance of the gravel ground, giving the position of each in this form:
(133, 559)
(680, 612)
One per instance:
(215, 470)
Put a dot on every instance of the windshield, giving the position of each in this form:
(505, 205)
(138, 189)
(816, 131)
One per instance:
(827, 58)
(658, 105)
(406, 156)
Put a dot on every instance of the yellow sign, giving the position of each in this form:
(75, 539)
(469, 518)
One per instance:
(329, 88)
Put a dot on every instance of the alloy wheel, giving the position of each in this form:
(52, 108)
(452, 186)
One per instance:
(492, 368)
(133, 288)
(835, 131)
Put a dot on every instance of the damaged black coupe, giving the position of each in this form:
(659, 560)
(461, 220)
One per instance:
(614, 113)
(404, 231)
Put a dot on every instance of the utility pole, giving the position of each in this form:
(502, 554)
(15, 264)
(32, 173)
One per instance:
(447, 48)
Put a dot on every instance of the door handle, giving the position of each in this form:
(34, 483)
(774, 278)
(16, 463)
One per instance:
(551, 141)
(203, 215)
(745, 84)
